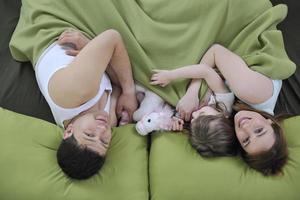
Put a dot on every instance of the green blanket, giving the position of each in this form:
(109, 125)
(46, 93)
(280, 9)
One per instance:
(162, 34)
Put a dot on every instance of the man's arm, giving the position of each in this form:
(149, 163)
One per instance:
(120, 73)
(80, 80)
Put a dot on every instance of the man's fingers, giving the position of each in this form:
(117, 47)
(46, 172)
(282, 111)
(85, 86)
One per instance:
(64, 35)
(66, 39)
(72, 52)
(119, 110)
(130, 115)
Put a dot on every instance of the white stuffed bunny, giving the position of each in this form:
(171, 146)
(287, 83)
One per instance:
(153, 114)
(155, 121)
(149, 102)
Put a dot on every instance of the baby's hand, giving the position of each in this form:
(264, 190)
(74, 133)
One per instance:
(177, 124)
(161, 77)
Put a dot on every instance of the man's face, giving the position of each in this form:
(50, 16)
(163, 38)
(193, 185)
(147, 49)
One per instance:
(92, 131)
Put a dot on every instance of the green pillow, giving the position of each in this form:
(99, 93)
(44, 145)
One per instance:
(29, 170)
(178, 172)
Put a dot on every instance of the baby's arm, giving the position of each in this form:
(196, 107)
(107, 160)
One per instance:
(199, 71)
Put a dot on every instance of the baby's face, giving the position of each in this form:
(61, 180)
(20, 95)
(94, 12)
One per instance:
(205, 110)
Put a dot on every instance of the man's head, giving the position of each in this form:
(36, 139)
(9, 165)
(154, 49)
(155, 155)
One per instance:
(86, 139)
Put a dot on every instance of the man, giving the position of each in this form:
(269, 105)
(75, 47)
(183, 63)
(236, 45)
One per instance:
(74, 76)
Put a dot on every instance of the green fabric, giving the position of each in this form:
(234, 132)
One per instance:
(162, 34)
(178, 172)
(29, 170)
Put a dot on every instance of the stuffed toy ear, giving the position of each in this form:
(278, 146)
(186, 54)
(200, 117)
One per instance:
(150, 103)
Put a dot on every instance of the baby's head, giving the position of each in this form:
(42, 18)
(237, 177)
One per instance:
(212, 132)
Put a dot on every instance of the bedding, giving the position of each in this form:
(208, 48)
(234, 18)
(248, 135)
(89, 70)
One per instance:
(162, 34)
(27, 156)
(29, 170)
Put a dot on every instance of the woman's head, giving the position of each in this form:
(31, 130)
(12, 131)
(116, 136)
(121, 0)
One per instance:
(86, 139)
(263, 146)
(212, 133)
(254, 132)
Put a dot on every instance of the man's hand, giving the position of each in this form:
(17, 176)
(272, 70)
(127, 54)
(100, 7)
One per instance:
(127, 102)
(75, 39)
(186, 105)
(161, 77)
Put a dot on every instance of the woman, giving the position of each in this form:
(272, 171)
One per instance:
(259, 134)
(74, 76)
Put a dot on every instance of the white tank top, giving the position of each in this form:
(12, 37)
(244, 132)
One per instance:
(53, 59)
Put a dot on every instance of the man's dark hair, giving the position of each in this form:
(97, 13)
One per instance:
(78, 162)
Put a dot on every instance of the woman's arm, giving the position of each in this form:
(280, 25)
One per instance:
(190, 101)
(246, 84)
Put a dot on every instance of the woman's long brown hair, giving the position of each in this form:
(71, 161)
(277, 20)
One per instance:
(268, 162)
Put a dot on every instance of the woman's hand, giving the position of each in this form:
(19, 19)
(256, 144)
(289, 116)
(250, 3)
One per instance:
(73, 38)
(161, 77)
(186, 105)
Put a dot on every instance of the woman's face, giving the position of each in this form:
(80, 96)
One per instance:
(91, 130)
(205, 110)
(253, 131)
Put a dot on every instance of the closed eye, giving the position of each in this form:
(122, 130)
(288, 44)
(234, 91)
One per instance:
(105, 144)
(89, 134)
(246, 141)
(258, 130)
(103, 141)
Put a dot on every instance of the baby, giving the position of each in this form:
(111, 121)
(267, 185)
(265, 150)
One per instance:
(211, 129)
